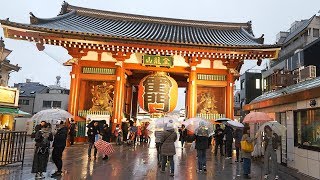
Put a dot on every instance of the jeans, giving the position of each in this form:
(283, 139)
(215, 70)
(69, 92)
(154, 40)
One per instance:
(218, 144)
(164, 161)
(57, 157)
(246, 166)
(270, 153)
(182, 142)
(118, 140)
(90, 147)
(202, 159)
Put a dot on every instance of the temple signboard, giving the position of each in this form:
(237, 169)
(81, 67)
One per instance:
(8, 96)
(158, 61)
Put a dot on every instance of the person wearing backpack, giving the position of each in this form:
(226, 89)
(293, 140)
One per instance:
(41, 153)
(246, 155)
(59, 144)
(168, 149)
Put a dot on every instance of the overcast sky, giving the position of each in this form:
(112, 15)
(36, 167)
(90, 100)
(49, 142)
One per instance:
(268, 17)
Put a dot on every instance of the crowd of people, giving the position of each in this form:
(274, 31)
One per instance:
(130, 133)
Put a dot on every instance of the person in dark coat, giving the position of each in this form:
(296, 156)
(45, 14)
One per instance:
(72, 131)
(183, 135)
(38, 127)
(93, 130)
(59, 143)
(106, 136)
(237, 139)
(228, 131)
(218, 136)
(125, 127)
(168, 149)
(202, 144)
(41, 153)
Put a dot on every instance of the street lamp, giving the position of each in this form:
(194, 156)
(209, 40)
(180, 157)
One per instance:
(3, 51)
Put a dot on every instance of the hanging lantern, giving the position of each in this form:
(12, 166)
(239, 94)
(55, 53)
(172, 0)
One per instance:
(158, 93)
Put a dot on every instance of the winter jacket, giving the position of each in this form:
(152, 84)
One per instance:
(106, 134)
(167, 139)
(60, 137)
(92, 132)
(228, 131)
(202, 142)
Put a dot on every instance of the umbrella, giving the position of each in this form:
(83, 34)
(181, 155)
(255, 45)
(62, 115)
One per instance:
(276, 127)
(256, 117)
(235, 124)
(222, 120)
(51, 115)
(199, 126)
(160, 123)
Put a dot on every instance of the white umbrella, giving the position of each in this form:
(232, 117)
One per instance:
(276, 127)
(235, 124)
(197, 125)
(160, 123)
(51, 115)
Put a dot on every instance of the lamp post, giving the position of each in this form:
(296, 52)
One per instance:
(3, 51)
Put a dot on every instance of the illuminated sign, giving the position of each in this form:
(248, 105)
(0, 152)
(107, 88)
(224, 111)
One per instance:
(8, 96)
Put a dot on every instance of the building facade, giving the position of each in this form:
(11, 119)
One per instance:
(8, 96)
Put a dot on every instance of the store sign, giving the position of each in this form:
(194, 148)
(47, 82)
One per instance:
(158, 61)
(9, 96)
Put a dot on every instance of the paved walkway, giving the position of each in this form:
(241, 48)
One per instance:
(134, 162)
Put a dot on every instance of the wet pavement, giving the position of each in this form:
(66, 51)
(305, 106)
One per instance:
(133, 162)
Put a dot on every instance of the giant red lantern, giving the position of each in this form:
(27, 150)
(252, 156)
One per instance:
(158, 93)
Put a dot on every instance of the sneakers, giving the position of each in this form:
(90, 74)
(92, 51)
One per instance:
(266, 176)
(39, 176)
(277, 177)
(56, 174)
(204, 170)
(246, 176)
(199, 170)
(171, 173)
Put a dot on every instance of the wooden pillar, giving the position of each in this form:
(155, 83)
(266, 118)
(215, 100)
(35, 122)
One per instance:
(128, 99)
(229, 97)
(118, 94)
(192, 93)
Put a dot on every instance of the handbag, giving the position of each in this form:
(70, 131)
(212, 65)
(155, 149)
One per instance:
(246, 146)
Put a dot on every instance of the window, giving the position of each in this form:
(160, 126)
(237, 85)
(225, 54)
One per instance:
(56, 104)
(23, 102)
(257, 83)
(47, 104)
(242, 84)
(307, 129)
(315, 32)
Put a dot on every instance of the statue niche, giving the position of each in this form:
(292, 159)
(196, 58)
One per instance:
(102, 97)
(207, 104)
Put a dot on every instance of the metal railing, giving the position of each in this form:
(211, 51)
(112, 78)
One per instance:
(12, 147)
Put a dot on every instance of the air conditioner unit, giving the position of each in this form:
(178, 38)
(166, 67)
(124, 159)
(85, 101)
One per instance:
(308, 72)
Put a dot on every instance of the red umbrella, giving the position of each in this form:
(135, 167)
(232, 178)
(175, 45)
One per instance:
(256, 117)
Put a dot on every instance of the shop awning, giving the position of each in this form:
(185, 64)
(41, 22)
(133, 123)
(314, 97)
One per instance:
(12, 111)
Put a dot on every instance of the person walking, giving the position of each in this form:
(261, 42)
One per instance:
(93, 131)
(124, 127)
(237, 142)
(168, 149)
(41, 153)
(158, 135)
(202, 144)
(106, 136)
(59, 144)
(228, 131)
(218, 136)
(183, 135)
(246, 155)
(72, 131)
(270, 157)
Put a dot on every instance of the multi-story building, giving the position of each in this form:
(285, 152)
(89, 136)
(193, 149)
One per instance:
(294, 56)
(292, 96)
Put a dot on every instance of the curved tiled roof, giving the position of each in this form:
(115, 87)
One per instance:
(90, 22)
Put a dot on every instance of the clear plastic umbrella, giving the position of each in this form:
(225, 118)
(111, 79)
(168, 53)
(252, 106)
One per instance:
(275, 126)
(199, 126)
(235, 124)
(160, 124)
(51, 115)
